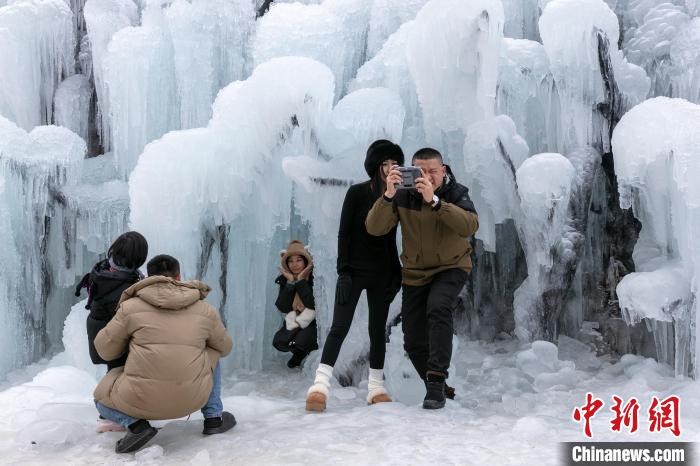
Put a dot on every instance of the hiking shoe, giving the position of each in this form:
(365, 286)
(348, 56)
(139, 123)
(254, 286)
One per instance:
(137, 435)
(295, 360)
(434, 391)
(219, 425)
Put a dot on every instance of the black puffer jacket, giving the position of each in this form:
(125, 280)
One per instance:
(104, 287)
(360, 253)
(285, 298)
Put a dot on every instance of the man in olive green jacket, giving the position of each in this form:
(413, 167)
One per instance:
(437, 218)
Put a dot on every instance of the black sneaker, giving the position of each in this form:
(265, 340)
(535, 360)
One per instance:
(295, 360)
(435, 391)
(137, 435)
(219, 425)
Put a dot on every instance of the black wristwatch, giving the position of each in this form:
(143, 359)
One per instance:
(435, 203)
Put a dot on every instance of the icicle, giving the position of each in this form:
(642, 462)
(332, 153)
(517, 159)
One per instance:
(36, 49)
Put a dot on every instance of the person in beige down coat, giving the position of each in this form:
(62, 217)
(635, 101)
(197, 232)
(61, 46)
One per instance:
(174, 341)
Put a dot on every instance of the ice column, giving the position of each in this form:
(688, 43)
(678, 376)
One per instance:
(33, 167)
(545, 182)
(139, 72)
(389, 69)
(72, 104)
(452, 53)
(103, 18)
(493, 152)
(573, 32)
(657, 163)
(386, 17)
(521, 19)
(36, 49)
(527, 94)
(210, 42)
(685, 54)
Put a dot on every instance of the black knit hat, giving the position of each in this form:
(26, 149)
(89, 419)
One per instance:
(378, 152)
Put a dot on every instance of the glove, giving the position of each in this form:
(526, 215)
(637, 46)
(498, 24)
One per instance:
(306, 317)
(291, 320)
(343, 288)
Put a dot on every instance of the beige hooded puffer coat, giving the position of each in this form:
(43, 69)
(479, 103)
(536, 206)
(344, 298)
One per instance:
(174, 339)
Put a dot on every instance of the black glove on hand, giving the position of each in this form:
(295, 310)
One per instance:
(343, 288)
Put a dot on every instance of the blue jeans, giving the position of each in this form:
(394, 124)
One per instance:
(113, 415)
(213, 408)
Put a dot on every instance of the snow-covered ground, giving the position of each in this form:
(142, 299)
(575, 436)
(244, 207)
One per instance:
(514, 405)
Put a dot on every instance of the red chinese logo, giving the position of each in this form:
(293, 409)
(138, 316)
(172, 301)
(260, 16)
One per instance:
(663, 414)
(587, 412)
(626, 415)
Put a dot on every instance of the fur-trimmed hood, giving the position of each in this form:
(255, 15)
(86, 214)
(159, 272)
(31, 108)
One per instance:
(295, 248)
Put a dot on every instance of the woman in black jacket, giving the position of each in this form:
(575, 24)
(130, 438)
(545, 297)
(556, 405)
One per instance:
(365, 262)
(298, 333)
(105, 284)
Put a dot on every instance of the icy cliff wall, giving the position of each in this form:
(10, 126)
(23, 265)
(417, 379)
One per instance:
(222, 131)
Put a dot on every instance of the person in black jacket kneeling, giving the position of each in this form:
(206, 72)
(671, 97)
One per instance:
(298, 333)
(105, 284)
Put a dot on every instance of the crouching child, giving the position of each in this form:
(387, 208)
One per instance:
(298, 333)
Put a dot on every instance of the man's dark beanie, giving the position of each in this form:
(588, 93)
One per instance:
(378, 152)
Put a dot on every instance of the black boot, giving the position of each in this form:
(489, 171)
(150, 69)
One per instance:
(296, 359)
(137, 435)
(449, 392)
(435, 390)
(219, 425)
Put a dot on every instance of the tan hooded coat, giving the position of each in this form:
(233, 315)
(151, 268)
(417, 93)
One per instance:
(174, 339)
(295, 248)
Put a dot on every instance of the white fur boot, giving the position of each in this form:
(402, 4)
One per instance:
(318, 393)
(376, 393)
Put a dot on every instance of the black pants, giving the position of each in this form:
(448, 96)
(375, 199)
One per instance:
(93, 328)
(426, 315)
(298, 340)
(378, 300)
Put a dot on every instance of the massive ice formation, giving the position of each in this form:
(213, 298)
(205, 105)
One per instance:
(33, 167)
(223, 187)
(657, 157)
(220, 211)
